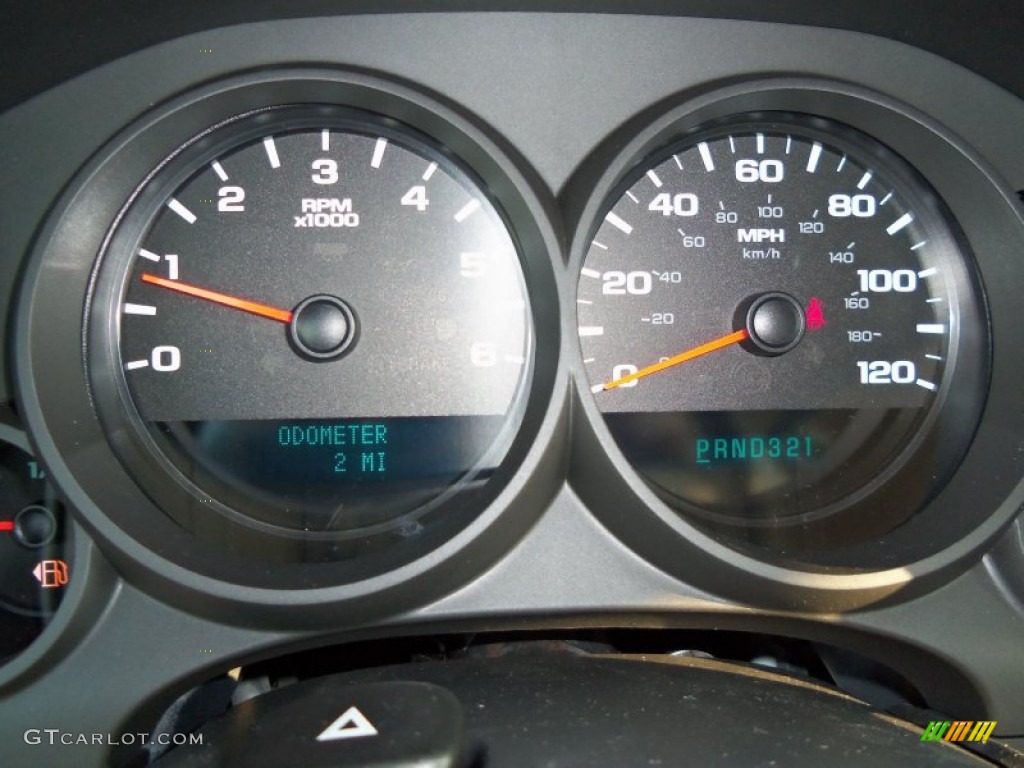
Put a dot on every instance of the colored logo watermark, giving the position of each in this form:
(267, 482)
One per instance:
(958, 730)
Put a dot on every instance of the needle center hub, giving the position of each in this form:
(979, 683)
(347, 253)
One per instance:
(35, 526)
(322, 328)
(776, 322)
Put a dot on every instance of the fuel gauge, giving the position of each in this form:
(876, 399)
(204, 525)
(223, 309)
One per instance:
(33, 562)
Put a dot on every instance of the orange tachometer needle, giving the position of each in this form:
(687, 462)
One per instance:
(682, 357)
(273, 313)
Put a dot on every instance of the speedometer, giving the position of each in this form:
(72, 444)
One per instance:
(770, 315)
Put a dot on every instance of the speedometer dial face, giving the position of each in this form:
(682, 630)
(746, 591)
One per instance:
(769, 315)
(313, 321)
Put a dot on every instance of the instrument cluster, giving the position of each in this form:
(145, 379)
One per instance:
(323, 337)
(311, 343)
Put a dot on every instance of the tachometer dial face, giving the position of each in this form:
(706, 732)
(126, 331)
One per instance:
(311, 320)
(769, 315)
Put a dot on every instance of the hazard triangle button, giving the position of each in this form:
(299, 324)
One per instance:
(330, 722)
(351, 725)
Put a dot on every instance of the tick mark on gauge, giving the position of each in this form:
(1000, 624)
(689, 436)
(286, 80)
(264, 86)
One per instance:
(618, 223)
(271, 149)
(899, 224)
(583, 301)
(885, 199)
(760, 143)
(587, 272)
(139, 309)
(596, 244)
(679, 163)
(926, 384)
(429, 172)
(655, 180)
(134, 365)
(918, 245)
(591, 330)
(219, 170)
(632, 197)
(182, 211)
(842, 162)
(378, 152)
(467, 210)
(325, 139)
(931, 328)
(864, 180)
(705, 156)
(928, 272)
(148, 255)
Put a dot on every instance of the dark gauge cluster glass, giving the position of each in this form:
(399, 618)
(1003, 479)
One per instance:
(34, 568)
(311, 322)
(771, 315)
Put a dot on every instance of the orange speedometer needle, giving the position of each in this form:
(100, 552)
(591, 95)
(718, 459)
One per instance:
(682, 357)
(273, 313)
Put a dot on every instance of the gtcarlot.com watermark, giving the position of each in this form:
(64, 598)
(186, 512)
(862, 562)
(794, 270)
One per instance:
(55, 736)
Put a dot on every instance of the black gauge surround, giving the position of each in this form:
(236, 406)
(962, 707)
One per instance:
(831, 555)
(808, 291)
(477, 501)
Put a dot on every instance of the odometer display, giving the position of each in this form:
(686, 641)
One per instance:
(769, 315)
(314, 322)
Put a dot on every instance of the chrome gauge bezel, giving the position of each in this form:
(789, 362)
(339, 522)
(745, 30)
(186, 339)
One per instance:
(138, 536)
(957, 521)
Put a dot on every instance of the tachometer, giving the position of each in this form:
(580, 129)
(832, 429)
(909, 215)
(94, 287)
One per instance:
(770, 316)
(313, 322)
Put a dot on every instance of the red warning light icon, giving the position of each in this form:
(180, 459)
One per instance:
(815, 314)
(51, 573)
